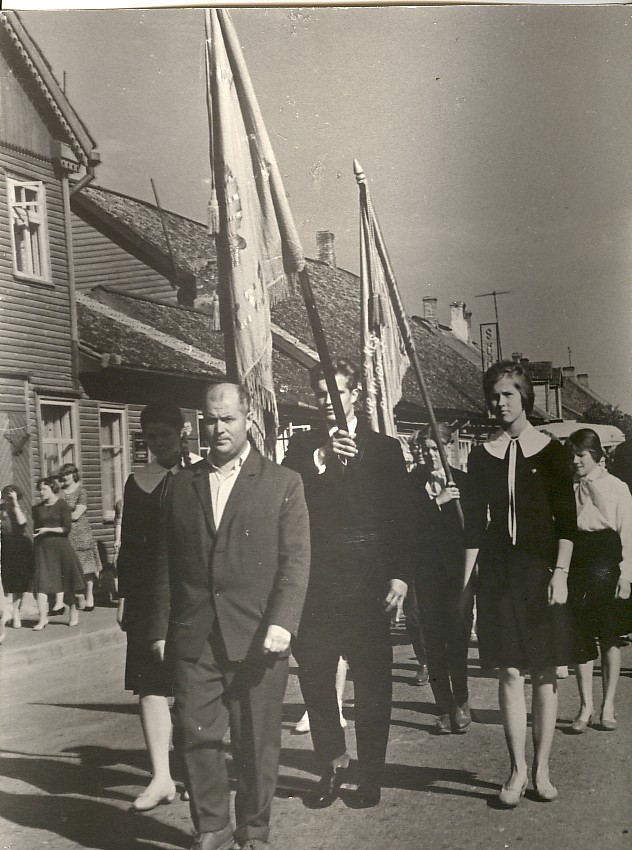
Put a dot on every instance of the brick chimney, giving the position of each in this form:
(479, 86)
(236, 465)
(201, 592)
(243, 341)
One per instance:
(516, 356)
(568, 371)
(430, 308)
(326, 249)
(458, 322)
(582, 379)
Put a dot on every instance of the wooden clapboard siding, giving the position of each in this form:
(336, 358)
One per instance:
(99, 260)
(21, 123)
(35, 318)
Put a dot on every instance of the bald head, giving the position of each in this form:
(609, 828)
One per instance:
(227, 419)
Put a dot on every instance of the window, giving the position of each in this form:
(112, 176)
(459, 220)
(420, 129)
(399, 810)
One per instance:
(59, 444)
(112, 434)
(27, 216)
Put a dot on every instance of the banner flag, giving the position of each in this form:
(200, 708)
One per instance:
(258, 249)
(384, 358)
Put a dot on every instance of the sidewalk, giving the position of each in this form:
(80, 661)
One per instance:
(97, 629)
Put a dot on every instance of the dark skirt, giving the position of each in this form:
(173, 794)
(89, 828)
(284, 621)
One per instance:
(57, 568)
(516, 626)
(17, 563)
(143, 673)
(592, 585)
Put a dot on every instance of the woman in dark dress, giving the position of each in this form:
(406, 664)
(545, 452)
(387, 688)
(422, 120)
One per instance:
(438, 583)
(149, 678)
(601, 572)
(520, 525)
(17, 554)
(57, 568)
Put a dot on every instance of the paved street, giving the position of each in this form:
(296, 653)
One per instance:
(73, 760)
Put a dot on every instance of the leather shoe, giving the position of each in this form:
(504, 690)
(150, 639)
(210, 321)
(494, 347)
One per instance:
(461, 719)
(150, 798)
(367, 796)
(579, 726)
(443, 725)
(220, 840)
(328, 788)
(510, 797)
(422, 676)
(608, 723)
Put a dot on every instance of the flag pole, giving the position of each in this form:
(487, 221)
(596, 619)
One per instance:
(322, 348)
(402, 322)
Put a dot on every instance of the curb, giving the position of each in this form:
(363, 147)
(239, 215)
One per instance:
(55, 650)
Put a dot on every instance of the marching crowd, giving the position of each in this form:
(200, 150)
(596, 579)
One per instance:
(229, 563)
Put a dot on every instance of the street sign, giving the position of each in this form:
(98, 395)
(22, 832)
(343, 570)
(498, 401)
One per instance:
(490, 352)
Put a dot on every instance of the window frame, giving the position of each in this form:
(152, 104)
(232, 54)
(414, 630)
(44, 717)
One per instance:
(41, 219)
(109, 515)
(71, 405)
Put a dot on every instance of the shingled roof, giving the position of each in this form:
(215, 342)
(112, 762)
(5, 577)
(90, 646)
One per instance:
(454, 381)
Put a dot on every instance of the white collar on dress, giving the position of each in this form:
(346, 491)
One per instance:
(150, 476)
(531, 442)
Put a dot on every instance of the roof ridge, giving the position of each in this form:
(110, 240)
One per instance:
(94, 185)
(158, 336)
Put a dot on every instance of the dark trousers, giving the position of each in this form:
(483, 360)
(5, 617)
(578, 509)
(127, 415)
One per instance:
(413, 626)
(447, 635)
(210, 694)
(355, 625)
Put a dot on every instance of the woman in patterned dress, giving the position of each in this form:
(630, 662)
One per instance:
(81, 537)
(520, 524)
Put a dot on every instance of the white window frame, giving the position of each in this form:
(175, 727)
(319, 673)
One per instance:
(71, 406)
(29, 214)
(108, 514)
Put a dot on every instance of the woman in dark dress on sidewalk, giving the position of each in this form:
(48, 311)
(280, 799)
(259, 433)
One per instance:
(57, 569)
(520, 523)
(17, 554)
(150, 679)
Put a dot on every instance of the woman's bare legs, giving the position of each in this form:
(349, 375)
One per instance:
(544, 716)
(155, 719)
(584, 676)
(513, 710)
(611, 669)
(42, 608)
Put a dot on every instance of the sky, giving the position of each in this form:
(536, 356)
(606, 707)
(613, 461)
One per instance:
(497, 142)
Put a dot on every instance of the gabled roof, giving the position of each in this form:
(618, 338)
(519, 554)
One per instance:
(40, 71)
(139, 225)
(454, 382)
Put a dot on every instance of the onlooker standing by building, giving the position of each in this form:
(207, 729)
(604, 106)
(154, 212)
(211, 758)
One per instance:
(357, 491)
(17, 554)
(81, 537)
(57, 569)
(439, 580)
(601, 572)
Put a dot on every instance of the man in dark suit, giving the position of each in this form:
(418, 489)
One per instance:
(622, 464)
(356, 486)
(445, 620)
(231, 580)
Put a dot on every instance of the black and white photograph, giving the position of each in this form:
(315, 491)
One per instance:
(316, 414)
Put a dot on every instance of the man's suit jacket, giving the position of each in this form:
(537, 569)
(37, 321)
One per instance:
(249, 573)
(622, 465)
(363, 505)
(440, 533)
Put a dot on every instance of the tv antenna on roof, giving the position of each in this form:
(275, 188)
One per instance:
(494, 294)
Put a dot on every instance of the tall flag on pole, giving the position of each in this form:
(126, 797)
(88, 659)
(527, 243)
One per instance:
(384, 359)
(258, 249)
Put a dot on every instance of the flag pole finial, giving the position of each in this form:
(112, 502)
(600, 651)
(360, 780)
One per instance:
(359, 172)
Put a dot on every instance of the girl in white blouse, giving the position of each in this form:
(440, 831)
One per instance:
(601, 571)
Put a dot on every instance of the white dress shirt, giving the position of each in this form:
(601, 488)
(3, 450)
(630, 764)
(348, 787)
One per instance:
(222, 480)
(604, 501)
